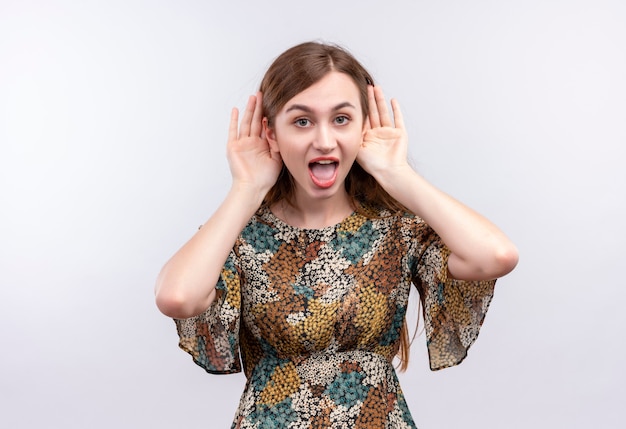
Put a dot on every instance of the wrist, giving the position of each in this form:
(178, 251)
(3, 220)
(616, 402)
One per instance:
(396, 177)
(247, 194)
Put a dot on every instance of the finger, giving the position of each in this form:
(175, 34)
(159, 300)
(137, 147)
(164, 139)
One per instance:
(244, 128)
(397, 114)
(232, 127)
(373, 109)
(383, 112)
(257, 117)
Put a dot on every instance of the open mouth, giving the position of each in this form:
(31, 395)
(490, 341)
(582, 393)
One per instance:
(323, 172)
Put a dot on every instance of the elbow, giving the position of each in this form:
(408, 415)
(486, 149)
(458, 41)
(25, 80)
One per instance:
(172, 303)
(488, 265)
(506, 259)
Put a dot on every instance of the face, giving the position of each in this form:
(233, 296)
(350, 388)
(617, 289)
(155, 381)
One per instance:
(318, 134)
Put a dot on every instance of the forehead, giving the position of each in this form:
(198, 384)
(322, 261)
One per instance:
(333, 89)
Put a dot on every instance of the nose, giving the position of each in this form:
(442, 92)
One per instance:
(324, 139)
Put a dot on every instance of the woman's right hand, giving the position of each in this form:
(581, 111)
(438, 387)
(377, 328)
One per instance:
(252, 163)
(186, 285)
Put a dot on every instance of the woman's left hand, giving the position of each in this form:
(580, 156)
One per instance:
(478, 249)
(385, 141)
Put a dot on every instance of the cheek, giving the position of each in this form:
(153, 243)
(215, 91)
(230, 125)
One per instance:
(289, 149)
(357, 138)
(291, 141)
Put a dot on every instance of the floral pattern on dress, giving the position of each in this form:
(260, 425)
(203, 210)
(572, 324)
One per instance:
(313, 317)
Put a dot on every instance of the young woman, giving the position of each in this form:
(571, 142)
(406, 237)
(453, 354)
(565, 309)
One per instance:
(303, 272)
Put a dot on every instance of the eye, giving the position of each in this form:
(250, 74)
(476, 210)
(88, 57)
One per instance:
(302, 122)
(342, 120)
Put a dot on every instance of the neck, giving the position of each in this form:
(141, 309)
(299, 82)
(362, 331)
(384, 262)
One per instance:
(315, 213)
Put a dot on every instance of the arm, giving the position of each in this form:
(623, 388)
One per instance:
(478, 249)
(186, 285)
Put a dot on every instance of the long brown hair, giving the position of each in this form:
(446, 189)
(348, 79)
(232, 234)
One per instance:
(292, 72)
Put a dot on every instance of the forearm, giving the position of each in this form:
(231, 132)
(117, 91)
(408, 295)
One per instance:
(479, 249)
(186, 284)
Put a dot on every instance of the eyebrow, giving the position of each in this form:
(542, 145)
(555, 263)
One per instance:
(309, 110)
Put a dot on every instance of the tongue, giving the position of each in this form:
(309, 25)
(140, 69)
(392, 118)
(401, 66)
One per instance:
(323, 171)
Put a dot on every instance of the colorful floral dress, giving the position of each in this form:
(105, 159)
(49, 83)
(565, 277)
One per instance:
(315, 317)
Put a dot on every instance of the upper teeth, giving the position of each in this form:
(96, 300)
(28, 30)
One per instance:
(325, 161)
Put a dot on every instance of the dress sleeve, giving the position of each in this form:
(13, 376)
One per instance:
(454, 310)
(212, 337)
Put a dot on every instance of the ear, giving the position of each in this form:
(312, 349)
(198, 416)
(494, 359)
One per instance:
(270, 135)
(366, 128)
(366, 124)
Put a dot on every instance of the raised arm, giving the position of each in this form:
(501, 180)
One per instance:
(186, 285)
(478, 249)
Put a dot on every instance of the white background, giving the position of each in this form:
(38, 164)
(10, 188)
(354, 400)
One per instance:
(113, 119)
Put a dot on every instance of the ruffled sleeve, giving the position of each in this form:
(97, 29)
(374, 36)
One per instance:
(212, 338)
(454, 310)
